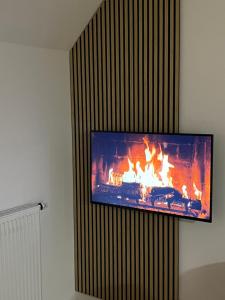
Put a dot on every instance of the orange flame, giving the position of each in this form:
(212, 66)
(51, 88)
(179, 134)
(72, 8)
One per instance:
(152, 169)
(197, 192)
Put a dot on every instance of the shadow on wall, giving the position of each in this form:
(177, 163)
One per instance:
(204, 283)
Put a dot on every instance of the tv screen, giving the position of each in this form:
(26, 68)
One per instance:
(163, 173)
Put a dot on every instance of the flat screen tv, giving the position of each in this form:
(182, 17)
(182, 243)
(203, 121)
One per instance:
(163, 173)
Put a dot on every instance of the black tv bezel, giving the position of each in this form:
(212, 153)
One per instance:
(209, 220)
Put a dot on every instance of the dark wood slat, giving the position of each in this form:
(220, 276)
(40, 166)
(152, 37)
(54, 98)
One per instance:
(101, 239)
(131, 64)
(140, 66)
(95, 126)
(128, 249)
(151, 256)
(118, 232)
(156, 65)
(111, 251)
(122, 64)
(124, 255)
(140, 233)
(132, 260)
(128, 101)
(104, 210)
(88, 124)
(90, 70)
(151, 65)
(145, 65)
(75, 210)
(166, 67)
(161, 261)
(165, 253)
(136, 64)
(104, 72)
(85, 185)
(77, 184)
(171, 67)
(177, 64)
(160, 129)
(161, 65)
(171, 258)
(141, 257)
(146, 257)
(156, 256)
(176, 125)
(176, 259)
(81, 171)
(108, 66)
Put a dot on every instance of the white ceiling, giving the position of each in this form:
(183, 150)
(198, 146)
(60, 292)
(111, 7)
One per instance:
(45, 23)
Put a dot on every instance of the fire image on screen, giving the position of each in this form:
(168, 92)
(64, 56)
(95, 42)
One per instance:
(155, 172)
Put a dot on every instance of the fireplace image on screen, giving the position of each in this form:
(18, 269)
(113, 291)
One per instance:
(165, 173)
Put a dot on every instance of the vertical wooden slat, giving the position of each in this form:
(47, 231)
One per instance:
(77, 184)
(151, 65)
(131, 62)
(75, 209)
(171, 66)
(90, 75)
(176, 259)
(115, 120)
(136, 128)
(165, 253)
(104, 72)
(171, 258)
(171, 129)
(124, 76)
(151, 256)
(94, 126)
(102, 124)
(104, 212)
(141, 282)
(160, 129)
(81, 171)
(88, 157)
(132, 258)
(111, 251)
(85, 185)
(122, 216)
(110, 122)
(155, 64)
(166, 129)
(145, 65)
(119, 101)
(166, 66)
(177, 64)
(146, 101)
(127, 251)
(176, 125)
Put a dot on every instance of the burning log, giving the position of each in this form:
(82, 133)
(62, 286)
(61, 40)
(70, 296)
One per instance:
(133, 192)
(171, 196)
(126, 191)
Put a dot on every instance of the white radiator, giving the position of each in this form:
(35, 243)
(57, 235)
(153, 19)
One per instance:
(20, 257)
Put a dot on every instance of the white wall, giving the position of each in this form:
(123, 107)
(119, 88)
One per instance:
(202, 110)
(35, 152)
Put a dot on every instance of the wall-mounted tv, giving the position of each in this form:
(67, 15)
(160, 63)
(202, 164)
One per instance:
(163, 173)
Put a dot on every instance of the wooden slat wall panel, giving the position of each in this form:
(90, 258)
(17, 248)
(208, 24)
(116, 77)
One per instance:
(124, 76)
